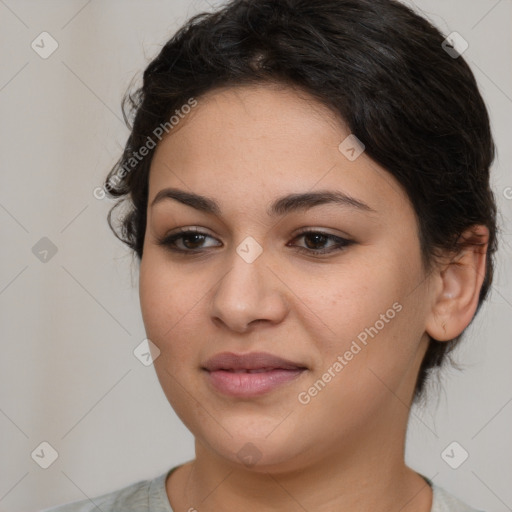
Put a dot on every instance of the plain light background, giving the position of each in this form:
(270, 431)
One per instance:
(69, 325)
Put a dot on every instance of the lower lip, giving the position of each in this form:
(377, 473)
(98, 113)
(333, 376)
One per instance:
(241, 384)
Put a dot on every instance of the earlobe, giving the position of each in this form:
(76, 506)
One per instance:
(460, 279)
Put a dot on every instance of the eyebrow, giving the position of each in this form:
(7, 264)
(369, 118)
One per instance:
(281, 206)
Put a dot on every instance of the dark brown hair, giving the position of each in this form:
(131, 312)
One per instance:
(375, 63)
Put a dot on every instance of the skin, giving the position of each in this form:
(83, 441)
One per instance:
(344, 450)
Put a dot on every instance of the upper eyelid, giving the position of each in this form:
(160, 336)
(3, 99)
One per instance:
(297, 233)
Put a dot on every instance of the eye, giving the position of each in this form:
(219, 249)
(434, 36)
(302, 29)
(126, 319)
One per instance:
(319, 238)
(191, 238)
(191, 241)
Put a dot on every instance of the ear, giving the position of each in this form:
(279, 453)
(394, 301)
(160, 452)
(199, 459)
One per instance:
(459, 280)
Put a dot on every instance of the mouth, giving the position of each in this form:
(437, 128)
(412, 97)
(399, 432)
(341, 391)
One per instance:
(245, 370)
(252, 362)
(248, 375)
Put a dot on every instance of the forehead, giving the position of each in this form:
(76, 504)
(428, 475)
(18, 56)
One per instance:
(259, 142)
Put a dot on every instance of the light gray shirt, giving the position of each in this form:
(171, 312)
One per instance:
(151, 496)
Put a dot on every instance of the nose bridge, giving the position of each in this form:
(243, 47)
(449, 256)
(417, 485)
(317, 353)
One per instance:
(247, 291)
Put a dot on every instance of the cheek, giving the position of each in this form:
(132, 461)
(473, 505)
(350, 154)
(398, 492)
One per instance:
(371, 305)
(153, 295)
(354, 299)
(170, 302)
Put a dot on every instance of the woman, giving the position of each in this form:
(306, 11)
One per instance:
(309, 199)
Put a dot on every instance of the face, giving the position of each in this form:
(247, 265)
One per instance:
(342, 306)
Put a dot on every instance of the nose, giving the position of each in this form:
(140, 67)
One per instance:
(248, 294)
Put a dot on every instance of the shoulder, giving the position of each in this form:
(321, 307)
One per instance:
(443, 501)
(141, 496)
(132, 497)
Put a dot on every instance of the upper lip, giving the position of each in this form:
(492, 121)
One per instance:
(251, 361)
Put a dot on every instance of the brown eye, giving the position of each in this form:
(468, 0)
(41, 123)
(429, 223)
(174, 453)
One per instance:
(316, 240)
(191, 240)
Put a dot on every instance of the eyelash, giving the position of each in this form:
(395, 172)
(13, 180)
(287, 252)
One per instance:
(341, 243)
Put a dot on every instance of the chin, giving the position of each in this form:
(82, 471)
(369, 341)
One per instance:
(253, 449)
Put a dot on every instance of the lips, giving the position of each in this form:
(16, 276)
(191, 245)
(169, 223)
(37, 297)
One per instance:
(250, 375)
(255, 362)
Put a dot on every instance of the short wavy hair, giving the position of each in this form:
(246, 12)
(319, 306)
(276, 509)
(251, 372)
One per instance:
(377, 64)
